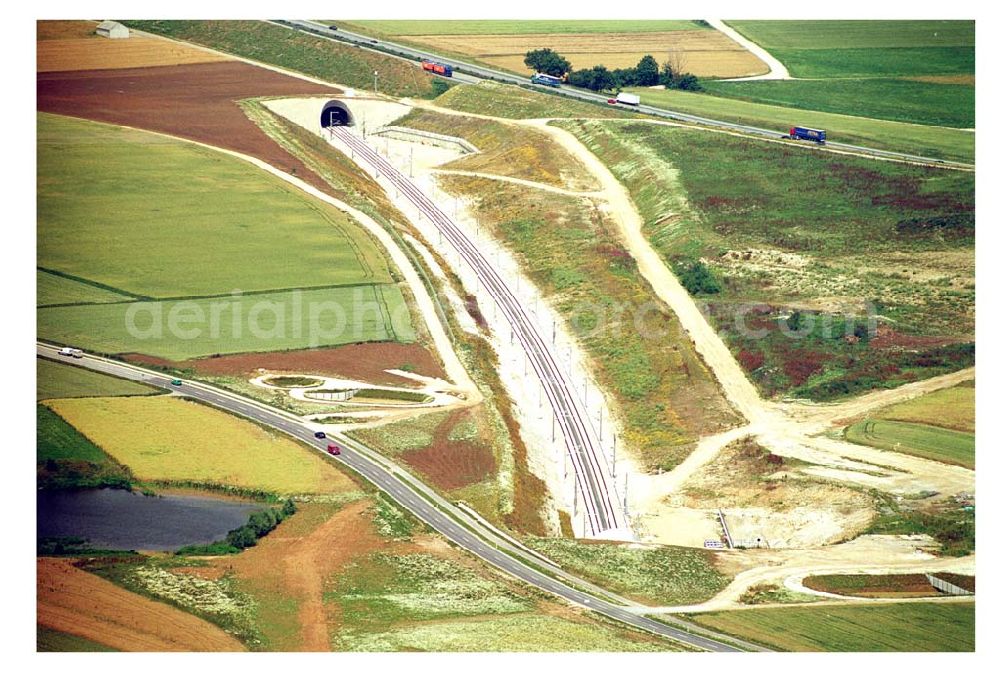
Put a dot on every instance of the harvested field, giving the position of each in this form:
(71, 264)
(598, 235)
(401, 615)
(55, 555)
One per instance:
(953, 408)
(167, 438)
(201, 100)
(705, 53)
(360, 361)
(82, 54)
(65, 30)
(75, 602)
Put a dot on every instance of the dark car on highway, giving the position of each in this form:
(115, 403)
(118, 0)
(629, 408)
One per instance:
(320, 435)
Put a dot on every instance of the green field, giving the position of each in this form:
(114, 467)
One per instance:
(662, 575)
(927, 103)
(125, 209)
(66, 459)
(326, 59)
(57, 380)
(234, 324)
(938, 444)
(948, 144)
(953, 408)
(58, 440)
(705, 195)
(867, 69)
(61, 290)
(890, 627)
(518, 27)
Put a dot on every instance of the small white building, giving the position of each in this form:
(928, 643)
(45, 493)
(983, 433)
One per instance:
(112, 29)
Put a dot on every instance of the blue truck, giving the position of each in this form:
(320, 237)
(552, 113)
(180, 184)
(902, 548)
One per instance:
(806, 134)
(547, 80)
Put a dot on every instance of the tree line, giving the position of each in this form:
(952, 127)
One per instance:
(646, 73)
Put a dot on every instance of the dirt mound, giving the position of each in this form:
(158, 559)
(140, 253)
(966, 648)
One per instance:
(361, 361)
(195, 101)
(81, 604)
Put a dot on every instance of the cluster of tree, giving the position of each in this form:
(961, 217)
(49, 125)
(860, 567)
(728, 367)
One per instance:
(259, 525)
(697, 278)
(646, 73)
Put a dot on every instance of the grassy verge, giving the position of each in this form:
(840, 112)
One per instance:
(662, 575)
(297, 51)
(936, 142)
(47, 639)
(925, 103)
(509, 101)
(896, 627)
(917, 439)
(866, 238)
(58, 381)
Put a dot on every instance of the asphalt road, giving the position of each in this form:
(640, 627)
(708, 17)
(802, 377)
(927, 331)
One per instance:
(423, 504)
(466, 72)
(604, 509)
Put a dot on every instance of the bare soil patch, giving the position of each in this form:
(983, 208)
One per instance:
(195, 101)
(79, 603)
(452, 464)
(361, 361)
(65, 30)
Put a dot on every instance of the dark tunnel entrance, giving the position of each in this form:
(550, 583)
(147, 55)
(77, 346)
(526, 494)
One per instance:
(335, 114)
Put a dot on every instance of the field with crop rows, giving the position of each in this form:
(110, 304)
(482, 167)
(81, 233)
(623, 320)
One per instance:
(938, 444)
(170, 439)
(891, 627)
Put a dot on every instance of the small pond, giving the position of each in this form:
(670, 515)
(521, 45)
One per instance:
(115, 519)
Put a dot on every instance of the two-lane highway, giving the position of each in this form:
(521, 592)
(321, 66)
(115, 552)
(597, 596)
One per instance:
(467, 72)
(423, 504)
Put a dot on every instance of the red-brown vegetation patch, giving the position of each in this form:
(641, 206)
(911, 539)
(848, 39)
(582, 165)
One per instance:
(196, 101)
(79, 603)
(889, 338)
(452, 464)
(961, 580)
(360, 361)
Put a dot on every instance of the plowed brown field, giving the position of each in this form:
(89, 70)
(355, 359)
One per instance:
(704, 53)
(360, 361)
(197, 102)
(82, 604)
(452, 464)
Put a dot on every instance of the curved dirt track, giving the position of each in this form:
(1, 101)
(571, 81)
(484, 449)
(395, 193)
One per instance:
(777, 69)
(79, 603)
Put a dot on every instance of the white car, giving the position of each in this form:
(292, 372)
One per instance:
(71, 352)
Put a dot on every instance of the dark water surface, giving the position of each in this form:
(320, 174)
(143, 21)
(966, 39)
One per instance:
(120, 520)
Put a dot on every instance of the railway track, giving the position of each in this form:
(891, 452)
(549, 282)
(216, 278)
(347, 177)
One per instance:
(604, 511)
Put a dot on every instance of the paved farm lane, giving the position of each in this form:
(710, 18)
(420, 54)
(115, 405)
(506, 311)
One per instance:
(422, 503)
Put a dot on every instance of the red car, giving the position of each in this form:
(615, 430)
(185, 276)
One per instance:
(612, 101)
(333, 449)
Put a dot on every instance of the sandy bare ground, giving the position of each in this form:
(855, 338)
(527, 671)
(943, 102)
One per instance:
(864, 555)
(79, 603)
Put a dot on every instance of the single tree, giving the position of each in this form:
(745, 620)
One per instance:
(546, 61)
(647, 72)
